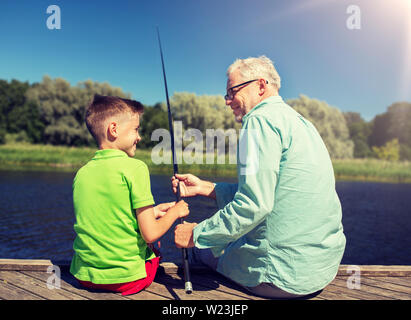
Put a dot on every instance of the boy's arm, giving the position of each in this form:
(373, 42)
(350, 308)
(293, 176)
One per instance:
(152, 228)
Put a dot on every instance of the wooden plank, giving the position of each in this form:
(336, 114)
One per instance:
(361, 294)
(377, 282)
(169, 283)
(331, 293)
(215, 281)
(174, 285)
(71, 286)
(10, 292)
(24, 265)
(206, 292)
(69, 283)
(204, 279)
(169, 267)
(402, 281)
(388, 289)
(37, 287)
(376, 270)
(170, 291)
(366, 291)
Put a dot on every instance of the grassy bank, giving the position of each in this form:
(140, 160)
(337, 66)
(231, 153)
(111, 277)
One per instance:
(45, 157)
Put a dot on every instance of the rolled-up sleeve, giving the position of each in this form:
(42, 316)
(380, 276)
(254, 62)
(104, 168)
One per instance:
(225, 193)
(260, 150)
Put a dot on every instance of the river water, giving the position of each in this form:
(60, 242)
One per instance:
(36, 218)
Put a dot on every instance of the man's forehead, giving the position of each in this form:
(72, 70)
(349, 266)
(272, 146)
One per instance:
(233, 78)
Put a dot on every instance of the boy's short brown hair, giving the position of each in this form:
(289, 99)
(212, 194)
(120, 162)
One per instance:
(104, 107)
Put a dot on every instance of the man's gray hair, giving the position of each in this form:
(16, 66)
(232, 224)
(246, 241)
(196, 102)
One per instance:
(253, 68)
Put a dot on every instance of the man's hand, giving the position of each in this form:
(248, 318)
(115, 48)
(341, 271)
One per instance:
(191, 186)
(183, 235)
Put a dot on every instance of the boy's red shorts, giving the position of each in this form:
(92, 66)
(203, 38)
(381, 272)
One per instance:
(127, 288)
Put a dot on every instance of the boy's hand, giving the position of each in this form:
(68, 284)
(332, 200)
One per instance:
(181, 209)
(190, 185)
(161, 209)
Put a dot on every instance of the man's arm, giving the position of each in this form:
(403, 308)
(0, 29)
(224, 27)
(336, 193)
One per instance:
(254, 199)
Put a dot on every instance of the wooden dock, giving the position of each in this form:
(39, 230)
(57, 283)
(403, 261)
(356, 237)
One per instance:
(38, 280)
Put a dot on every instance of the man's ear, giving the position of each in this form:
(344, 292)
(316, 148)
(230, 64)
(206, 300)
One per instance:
(262, 86)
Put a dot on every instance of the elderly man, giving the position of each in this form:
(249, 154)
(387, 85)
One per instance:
(278, 232)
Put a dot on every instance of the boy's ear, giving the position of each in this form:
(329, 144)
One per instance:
(112, 130)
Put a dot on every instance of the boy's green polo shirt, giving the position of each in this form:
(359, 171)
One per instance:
(106, 192)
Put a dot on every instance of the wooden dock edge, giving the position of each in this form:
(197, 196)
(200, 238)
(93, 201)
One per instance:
(172, 268)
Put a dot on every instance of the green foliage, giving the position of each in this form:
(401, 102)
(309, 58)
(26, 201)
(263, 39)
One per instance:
(393, 124)
(202, 112)
(17, 114)
(360, 131)
(352, 117)
(52, 112)
(400, 122)
(153, 118)
(389, 151)
(405, 152)
(3, 133)
(372, 170)
(20, 137)
(62, 108)
(330, 124)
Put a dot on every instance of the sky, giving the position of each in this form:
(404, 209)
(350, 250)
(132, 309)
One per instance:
(312, 43)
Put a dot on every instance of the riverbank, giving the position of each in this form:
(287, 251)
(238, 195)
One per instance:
(60, 158)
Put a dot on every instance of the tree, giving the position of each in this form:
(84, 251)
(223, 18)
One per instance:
(393, 124)
(360, 131)
(330, 124)
(153, 118)
(62, 108)
(202, 112)
(380, 127)
(389, 151)
(400, 122)
(352, 117)
(206, 113)
(17, 114)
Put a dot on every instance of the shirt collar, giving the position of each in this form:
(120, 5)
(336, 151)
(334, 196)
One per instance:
(109, 153)
(271, 99)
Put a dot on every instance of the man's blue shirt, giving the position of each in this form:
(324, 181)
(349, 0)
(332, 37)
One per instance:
(282, 223)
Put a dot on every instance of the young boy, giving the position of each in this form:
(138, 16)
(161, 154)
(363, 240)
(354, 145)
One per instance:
(113, 204)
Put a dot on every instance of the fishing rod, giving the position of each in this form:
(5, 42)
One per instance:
(188, 285)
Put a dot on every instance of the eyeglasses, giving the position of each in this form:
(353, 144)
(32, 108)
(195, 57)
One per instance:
(231, 93)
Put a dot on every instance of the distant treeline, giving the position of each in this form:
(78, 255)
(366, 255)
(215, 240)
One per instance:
(52, 112)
